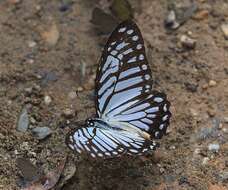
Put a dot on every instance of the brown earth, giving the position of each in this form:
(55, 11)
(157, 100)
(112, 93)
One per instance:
(42, 51)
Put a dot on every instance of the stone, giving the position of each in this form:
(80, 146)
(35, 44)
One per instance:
(187, 42)
(212, 83)
(41, 132)
(224, 28)
(68, 113)
(214, 147)
(23, 121)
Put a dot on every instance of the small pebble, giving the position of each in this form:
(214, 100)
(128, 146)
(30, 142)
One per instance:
(68, 113)
(225, 130)
(212, 83)
(172, 147)
(23, 121)
(31, 44)
(41, 132)
(79, 89)
(32, 121)
(213, 147)
(211, 112)
(170, 21)
(187, 42)
(47, 100)
(28, 91)
(225, 119)
(191, 87)
(197, 151)
(31, 61)
(72, 95)
(193, 112)
(205, 86)
(38, 8)
(224, 28)
(205, 160)
(183, 180)
(162, 170)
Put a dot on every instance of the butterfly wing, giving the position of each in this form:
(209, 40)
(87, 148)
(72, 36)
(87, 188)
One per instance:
(124, 84)
(99, 142)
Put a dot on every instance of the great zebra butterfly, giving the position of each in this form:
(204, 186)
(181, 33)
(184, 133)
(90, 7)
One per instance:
(130, 115)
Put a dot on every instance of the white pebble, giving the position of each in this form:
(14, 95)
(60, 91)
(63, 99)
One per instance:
(31, 44)
(47, 100)
(205, 160)
(72, 95)
(212, 83)
(213, 147)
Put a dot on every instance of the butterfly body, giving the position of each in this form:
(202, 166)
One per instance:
(130, 116)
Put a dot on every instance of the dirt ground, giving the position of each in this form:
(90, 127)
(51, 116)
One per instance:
(47, 54)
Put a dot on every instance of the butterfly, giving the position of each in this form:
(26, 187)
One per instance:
(130, 116)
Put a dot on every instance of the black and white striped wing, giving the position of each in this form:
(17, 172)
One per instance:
(124, 83)
(107, 143)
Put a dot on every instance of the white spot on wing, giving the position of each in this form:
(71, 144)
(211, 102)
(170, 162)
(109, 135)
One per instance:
(130, 31)
(135, 38)
(141, 57)
(165, 108)
(165, 118)
(157, 134)
(144, 67)
(122, 29)
(147, 77)
(139, 46)
(161, 126)
(100, 155)
(158, 99)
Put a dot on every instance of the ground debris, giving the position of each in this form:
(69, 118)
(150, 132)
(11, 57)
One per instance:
(30, 173)
(187, 42)
(23, 121)
(49, 180)
(122, 9)
(41, 132)
(214, 147)
(103, 22)
(51, 35)
(178, 15)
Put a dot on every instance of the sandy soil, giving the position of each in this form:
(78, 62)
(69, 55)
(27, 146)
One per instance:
(43, 52)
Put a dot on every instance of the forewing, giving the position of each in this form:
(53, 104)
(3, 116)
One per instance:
(123, 73)
(107, 143)
(124, 83)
